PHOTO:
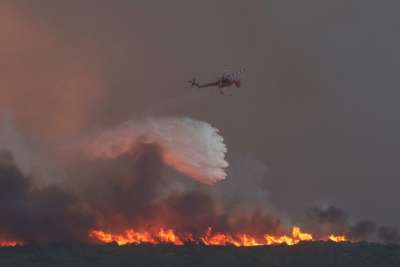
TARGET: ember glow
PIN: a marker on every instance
(209, 238)
(337, 238)
(9, 243)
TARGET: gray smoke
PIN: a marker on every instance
(361, 230)
(127, 182)
(38, 215)
(332, 219)
(389, 235)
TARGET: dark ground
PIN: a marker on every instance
(306, 254)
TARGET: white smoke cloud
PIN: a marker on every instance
(192, 147)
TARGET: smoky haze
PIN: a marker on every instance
(318, 102)
(134, 189)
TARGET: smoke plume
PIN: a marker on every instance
(389, 235)
(334, 219)
(128, 185)
(37, 215)
(129, 181)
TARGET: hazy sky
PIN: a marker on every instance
(318, 104)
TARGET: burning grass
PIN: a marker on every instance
(209, 238)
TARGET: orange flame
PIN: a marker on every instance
(168, 236)
(337, 238)
(297, 236)
(133, 237)
(210, 238)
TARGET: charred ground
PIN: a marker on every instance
(305, 254)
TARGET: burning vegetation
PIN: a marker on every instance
(134, 196)
(209, 238)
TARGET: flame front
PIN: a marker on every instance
(209, 238)
(337, 238)
(134, 237)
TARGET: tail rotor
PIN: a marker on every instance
(193, 83)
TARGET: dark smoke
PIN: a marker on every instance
(333, 219)
(328, 220)
(137, 190)
(330, 215)
(361, 230)
(37, 215)
(195, 210)
(124, 191)
(389, 235)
